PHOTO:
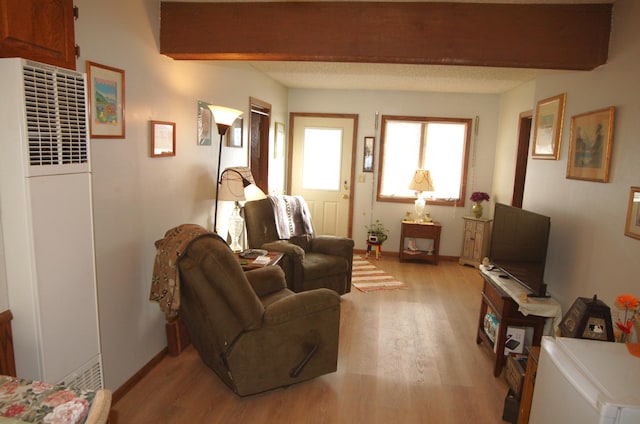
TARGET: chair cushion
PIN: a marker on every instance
(320, 265)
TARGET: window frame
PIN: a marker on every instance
(460, 202)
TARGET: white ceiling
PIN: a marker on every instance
(438, 78)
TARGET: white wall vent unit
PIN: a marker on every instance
(47, 221)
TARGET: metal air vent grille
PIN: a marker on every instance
(56, 116)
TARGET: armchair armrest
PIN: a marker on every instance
(285, 247)
(332, 245)
(299, 305)
(266, 280)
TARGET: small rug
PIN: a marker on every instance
(367, 277)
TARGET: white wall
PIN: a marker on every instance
(366, 104)
(588, 251)
(138, 198)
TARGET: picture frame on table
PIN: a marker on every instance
(547, 131)
(590, 145)
(205, 119)
(632, 229)
(106, 86)
(163, 139)
(234, 133)
(368, 154)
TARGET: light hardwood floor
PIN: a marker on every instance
(405, 356)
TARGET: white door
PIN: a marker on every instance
(321, 169)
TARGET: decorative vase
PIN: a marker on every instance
(477, 209)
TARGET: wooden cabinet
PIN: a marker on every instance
(506, 310)
(529, 383)
(475, 242)
(40, 30)
(415, 241)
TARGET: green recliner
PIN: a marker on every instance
(248, 327)
(310, 261)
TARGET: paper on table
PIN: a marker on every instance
(262, 260)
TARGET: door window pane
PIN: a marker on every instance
(322, 157)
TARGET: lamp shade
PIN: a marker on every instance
(421, 181)
(237, 184)
(224, 115)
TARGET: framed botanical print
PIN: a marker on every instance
(204, 124)
(163, 139)
(547, 131)
(106, 101)
(234, 134)
(369, 148)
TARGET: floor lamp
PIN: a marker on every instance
(224, 118)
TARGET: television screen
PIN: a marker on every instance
(519, 245)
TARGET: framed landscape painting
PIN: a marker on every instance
(548, 127)
(590, 145)
(106, 101)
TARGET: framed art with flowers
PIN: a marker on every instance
(632, 228)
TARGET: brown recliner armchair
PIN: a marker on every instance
(310, 261)
(248, 327)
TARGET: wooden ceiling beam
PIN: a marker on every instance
(548, 36)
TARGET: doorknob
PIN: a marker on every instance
(345, 196)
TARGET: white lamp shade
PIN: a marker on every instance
(232, 185)
(224, 115)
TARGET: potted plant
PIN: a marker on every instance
(376, 232)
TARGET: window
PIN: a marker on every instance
(440, 145)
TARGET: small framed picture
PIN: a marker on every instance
(106, 101)
(163, 139)
(548, 127)
(234, 134)
(369, 149)
(633, 214)
(204, 124)
(590, 146)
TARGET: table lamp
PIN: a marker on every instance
(421, 183)
(236, 184)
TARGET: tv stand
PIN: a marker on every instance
(505, 308)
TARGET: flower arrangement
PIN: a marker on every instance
(479, 196)
(629, 304)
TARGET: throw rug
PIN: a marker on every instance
(367, 277)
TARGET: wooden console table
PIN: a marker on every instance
(420, 231)
(506, 310)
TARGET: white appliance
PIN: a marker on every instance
(586, 381)
(47, 222)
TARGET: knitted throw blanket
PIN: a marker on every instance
(292, 216)
(165, 283)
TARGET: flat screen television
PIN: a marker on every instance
(518, 246)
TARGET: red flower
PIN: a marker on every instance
(625, 328)
(14, 410)
(627, 301)
(479, 196)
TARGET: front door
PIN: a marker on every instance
(322, 168)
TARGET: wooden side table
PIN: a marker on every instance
(420, 231)
(529, 384)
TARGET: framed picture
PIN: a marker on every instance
(633, 214)
(106, 101)
(163, 139)
(204, 124)
(590, 146)
(278, 141)
(369, 148)
(548, 127)
(234, 134)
